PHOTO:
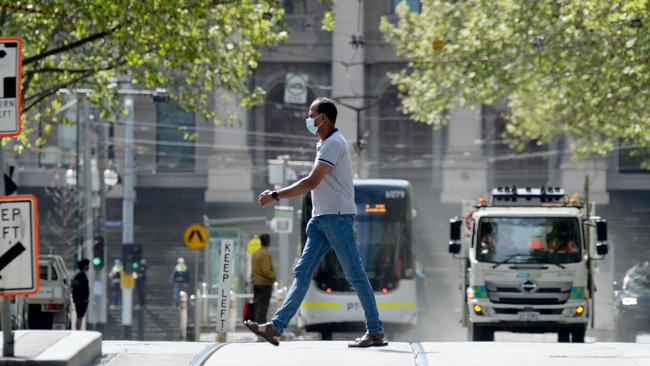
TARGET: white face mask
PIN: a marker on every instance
(311, 125)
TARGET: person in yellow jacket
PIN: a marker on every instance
(263, 278)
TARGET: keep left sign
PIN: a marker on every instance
(19, 272)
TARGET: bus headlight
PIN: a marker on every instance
(629, 301)
(478, 309)
(580, 310)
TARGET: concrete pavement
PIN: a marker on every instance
(126, 353)
(54, 348)
(86, 348)
(322, 353)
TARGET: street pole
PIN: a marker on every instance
(360, 144)
(127, 206)
(88, 221)
(5, 322)
(284, 237)
(101, 279)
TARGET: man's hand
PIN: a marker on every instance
(265, 198)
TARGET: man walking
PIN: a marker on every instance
(80, 292)
(181, 279)
(116, 290)
(141, 284)
(263, 279)
(331, 226)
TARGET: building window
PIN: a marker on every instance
(629, 161)
(414, 5)
(404, 146)
(294, 6)
(174, 151)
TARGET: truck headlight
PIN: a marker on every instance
(470, 294)
(629, 301)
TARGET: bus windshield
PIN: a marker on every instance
(384, 242)
(528, 240)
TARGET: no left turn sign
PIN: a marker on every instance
(19, 273)
(11, 49)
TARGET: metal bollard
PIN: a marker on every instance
(183, 317)
(198, 321)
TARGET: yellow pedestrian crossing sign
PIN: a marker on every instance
(195, 236)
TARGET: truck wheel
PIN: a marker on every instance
(624, 332)
(563, 336)
(578, 334)
(326, 335)
(39, 319)
(480, 333)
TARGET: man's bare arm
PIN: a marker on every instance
(300, 187)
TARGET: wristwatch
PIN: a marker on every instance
(275, 195)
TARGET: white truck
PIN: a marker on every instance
(527, 263)
(50, 308)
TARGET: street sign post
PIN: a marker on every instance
(225, 277)
(196, 237)
(11, 66)
(19, 245)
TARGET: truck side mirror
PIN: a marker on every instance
(454, 235)
(454, 229)
(601, 237)
(601, 230)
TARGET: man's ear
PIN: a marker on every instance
(325, 118)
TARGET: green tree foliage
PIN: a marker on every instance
(189, 47)
(578, 68)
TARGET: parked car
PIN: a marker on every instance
(632, 303)
(50, 307)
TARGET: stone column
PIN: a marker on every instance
(230, 167)
(464, 168)
(348, 80)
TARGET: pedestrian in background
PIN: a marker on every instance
(263, 277)
(181, 279)
(80, 291)
(141, 283)
(330, 227)
(116, 291)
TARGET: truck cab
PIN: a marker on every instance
(527, 263)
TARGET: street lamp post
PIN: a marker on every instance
(361, 142)
(127, 206)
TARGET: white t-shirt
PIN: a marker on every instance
(335, 193)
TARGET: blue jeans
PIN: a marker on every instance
(325, 232)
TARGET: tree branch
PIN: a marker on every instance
(70, 46)
(72, 71)
(26, 83)
(46, 93)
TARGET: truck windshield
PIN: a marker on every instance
(528, 240)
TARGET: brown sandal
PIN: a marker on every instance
(270, 334)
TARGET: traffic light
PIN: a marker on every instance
(131, 256)
(98, 252)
